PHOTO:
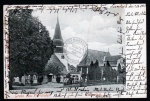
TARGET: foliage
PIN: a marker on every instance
(30, 44)
(109, 73)
(94, 71)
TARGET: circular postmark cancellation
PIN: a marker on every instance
(75, 50)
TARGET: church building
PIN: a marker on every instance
(57, 65)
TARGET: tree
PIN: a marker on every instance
(97, 70)
(91, 71)
(30, 44)
(108, 72)
(114, 74)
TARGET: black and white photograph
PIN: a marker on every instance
(67, 49)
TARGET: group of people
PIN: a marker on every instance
(82, 79)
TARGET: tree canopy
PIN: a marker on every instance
(30, 45)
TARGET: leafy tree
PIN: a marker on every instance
(97, 71)
(94, 72)
(114, 74)
(91, 71)
(108, 71)
(30, 44)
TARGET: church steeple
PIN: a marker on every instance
(57, 39)
(57, 34)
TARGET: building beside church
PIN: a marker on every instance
(99, 65)
(91, 64)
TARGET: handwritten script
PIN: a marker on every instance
(135, 53)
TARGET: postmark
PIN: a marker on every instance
(75, 49)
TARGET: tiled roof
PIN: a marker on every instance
(93, 55)
(112, 60)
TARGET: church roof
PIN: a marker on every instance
(71, 68)
(53, 64)
(57, 34)
(62, 60)
(57, 39)
(112, 60)
(93, 55)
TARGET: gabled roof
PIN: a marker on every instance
(93, 55)
(112, 60)
(62, 60)
(53, 63)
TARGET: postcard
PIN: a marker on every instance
(74, 51)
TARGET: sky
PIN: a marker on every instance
(99, 31)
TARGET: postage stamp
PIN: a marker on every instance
(74, 51)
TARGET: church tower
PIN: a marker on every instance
(57, 39)
(58, 43)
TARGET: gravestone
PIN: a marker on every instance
(16, 80)
(34, 79)
(23, 80)
(54, 78)
(28, 80)
(45, 79)
(61, 78)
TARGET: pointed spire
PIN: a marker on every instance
(57, 18)
(57, 34)
(57, 39)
